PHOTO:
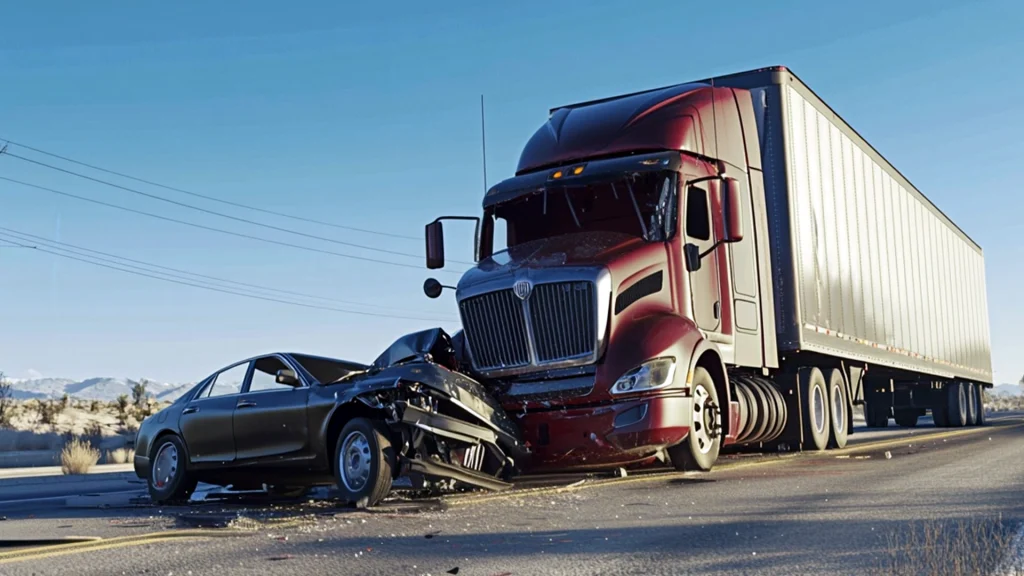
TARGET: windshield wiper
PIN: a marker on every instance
(636, 209)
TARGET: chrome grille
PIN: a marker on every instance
(496, 329)
(562, 325)
(563, 320)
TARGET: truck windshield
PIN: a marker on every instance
(640, 204)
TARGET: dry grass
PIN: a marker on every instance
(1004, 403)
(965, 547)
(120, 456)
(78, 456)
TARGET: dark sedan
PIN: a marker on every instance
(290, 421)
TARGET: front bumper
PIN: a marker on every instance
(623, 432)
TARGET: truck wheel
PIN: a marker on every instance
(956, 404)
(906, 418)
(876, 414)
(972, 404)
(699, 450)
(364, 462)
(837, 407)
(814, 397)
(980, 391)
(169, 479)
(940, 415)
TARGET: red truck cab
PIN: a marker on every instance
(615, 291)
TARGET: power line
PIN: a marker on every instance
(213, 229)
(64, 246)
(146, 273)
(208, 211)
(207, 197)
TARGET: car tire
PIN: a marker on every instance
(169, 479)
(837, 408)
(364, 462)
(906, 417)
(699, 450)
(814, 398)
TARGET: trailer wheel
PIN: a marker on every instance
(956, 404)
(906, 418)
(699, 450)
(980, 391)
(972, 404)
(364, 462)
(837, 407)
(941, 415)
(814, 397)
(876, 414)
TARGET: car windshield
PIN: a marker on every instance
(327, 370)
(641, 205)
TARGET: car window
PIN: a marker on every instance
(264, 375)
(227, 382)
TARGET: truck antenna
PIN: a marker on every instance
(714, 126)
(483, 140)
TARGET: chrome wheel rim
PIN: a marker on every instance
(818, 409)
(838, 413)
(355, 463)
(165, 465)
(705, 419)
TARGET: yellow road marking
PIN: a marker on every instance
(40, 552)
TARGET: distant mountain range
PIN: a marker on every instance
(105, 389)
(1007, 390)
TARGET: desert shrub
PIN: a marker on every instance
(6, 402)
(121, 456)
(49, 410)
(122, 408)
(130, 424)
(78, 456)
(95, 406)
(93, 433)
(139, 393)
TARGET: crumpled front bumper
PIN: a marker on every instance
(619, 433)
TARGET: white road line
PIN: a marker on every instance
(64, 497)
(1013, 564)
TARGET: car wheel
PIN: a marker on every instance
(364, 462)
(837, 408)
(699, 450)
(169, 479)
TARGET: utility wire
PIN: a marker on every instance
(136, 271)
(115, 259)
(213, 229)
(207, 197)
(208, 211)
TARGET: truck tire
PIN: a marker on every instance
(940, 415)
(956, 404)
(814, 399)
(837, 407)
(906, 417)
(364, 462)
(699, 450)
(876, 414)
(980, 391)
(972, 404)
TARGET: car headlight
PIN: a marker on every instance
(650, 375)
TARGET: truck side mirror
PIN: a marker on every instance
(435, 245)
(691, 254)
(733, 218)
(432, 288)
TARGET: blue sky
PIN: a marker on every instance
(369, 116)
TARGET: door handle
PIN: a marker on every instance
(190, 410)
(245, 404)
(718, 310)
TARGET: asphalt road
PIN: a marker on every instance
(833, 512)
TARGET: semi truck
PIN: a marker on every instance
(717, 263)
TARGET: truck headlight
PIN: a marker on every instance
(650, 375)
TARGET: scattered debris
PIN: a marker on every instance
(430, 535)
(621, 472)
(454, 570)
(281, 557)
(843, 457)
(888, 455)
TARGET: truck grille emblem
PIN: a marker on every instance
(522, 289)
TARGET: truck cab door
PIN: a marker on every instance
(705, 293)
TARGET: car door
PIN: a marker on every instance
(270, 418)
(704, 285)
(206, 422)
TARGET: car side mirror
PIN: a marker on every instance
(691, 254)
(288, 377)
(733, 218)
(435, 245)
